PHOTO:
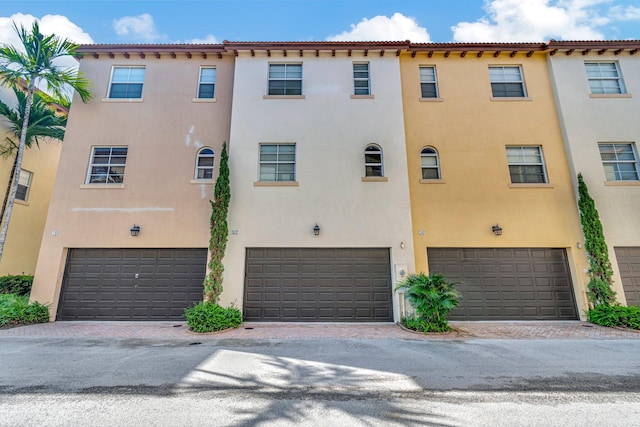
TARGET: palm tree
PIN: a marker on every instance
(44, 125)
(36, 66)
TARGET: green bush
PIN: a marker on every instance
(210, 317)
(615, 315)
(19, 285)
(16, 310)
(432, 297)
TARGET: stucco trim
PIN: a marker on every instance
(122, 100)
(375, 179)
(431, 99)
(275, 184)
(531, 186)
(21, 202)
(622, 183)
(362, 96)
(283, 97)
(515, 98)
(204, 100)
(610, 95)
(432, 181)
(202, 181)
(102, 186)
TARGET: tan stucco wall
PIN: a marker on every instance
(163, 132)
(470, 130)
(28, 218)
(588, 121)
(331, 131)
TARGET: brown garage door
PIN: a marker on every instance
(508, 284)
(629, 266)
(131, 284)
(318, 285)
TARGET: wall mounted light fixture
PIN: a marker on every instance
(135, 230)
(316, 230)
(497, 230)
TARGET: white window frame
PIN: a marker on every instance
(25, 178)
(202, 83)
(128, 80)
(369, 166)
(539, 164)
(285, 78)
(500, 77)
(109, 174)
(205, 153)
(277, 162)
(429, 152)
(597, 82)
(424, 81)
(615, 163)
(360, 76)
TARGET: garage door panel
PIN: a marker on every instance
(324, 284)
(100, 284)
(629, 266)
(507, 283)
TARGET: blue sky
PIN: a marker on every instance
(211, 21)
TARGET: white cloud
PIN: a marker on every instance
(49, 24)
(209, 39)
(628, 13)
(534, 20)
(383, 28)
(139, 27)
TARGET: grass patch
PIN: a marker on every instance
(615, 315)
(210, 317)
(16, 310)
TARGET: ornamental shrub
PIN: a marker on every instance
(18, 285)
(210, 317)
(615, 315)
(16, 310)
(432, 297)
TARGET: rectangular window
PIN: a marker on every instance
(285, 79)
(620, 162)
(507, 82)
(126, 82)
(604, 78)
(428, 82)
(361, 82)
(526, 165)
(24, 184)
(107, 165)
(277, 162)
(207, 82)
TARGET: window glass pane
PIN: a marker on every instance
(207, 75)
(430, 173)
(373, 170)
(293, 71)
(205, 91)
(293, 87)
(428, 90)
(205, 161)
(427, 74)
(287, 148)
(373, 158)
(205, 174)
(267, 172)
(429, 161)
(276, 71)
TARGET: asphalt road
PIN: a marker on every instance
(318, 382)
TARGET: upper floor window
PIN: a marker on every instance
(24, 184)
(428, 82)
(620, 161)
(126, 82)
(526, 165)
(204, 164)
(430, 164)
(507, 82)
(207, 82)
(361, 79)
(107, 165)
(277, 162)
(285, 79)
(604, 78)
(373, 161)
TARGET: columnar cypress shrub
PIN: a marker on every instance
(219, 231)
(600, 272)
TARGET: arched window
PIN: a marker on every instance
(204, 164)
(373, 161)
(430, 163)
